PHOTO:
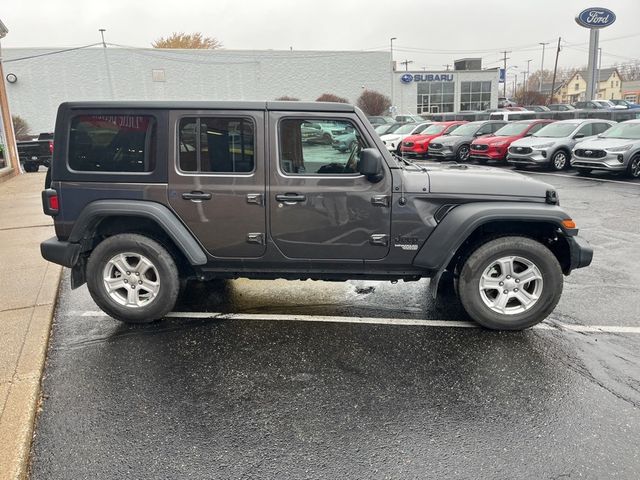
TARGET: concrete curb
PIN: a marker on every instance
(28, 295)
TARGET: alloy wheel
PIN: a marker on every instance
(559, 160)
(131, 279)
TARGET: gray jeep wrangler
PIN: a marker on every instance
(146, 195)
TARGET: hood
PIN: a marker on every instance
(605, 143)
(390, 137)
(492, 139)
(453, 139)
(421, 138)
(474, 180)
(532, 141)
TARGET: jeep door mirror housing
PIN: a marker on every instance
(370, 164)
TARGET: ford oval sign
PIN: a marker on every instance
(596, 17)
(406, 78)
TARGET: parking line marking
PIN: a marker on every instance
(557, 326)
(577, 177)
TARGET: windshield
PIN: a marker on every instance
(382, 128)
(468, 129)
(512, 129)
(390, 128)
(408, 128)
(623, 130)
(433, 129)
(556, 130)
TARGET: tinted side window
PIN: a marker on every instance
(496, 126)
(216, 145)
(599, 128)
(535, 128)
(112, 143)
(586, 130)
(487, 128)
(319, 147)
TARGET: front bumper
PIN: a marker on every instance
(486, 155)
(62, 253)
(581, 252)
(443, 153)
(534, 158)
(610, 162)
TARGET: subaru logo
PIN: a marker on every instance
(406, 78)
(596, 17)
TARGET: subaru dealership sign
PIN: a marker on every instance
(596, 17)
(426, 77)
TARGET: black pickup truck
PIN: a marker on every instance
(34, 153)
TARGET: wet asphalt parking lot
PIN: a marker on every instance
(295, 386)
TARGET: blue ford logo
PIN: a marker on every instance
(406, 78)
(596, 17)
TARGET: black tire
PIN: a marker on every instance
(483, 257)
(583, 171)
(463, 152)
(167, 273)
(560, 160)
(633, 169)
(31, 167)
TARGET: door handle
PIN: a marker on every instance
(290, 197)
(196, 196)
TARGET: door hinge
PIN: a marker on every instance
(254, 198)
(379, 239)
(257, 238)
(380, 200)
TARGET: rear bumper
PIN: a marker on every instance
(581, 252)
(62, 253)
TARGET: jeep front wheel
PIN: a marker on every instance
(510, 283)
(133, 278)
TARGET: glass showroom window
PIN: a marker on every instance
(475, 95)
(435, 97)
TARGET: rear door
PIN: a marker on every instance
(217, 179)
(320, 207)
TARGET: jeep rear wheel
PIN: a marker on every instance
(510, 283)
(133, 278)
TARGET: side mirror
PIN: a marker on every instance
(578, 135)
(370, 164)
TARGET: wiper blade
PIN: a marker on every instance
(406, 161)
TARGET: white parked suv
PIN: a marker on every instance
(393, 141)
(617, 150)
(551, 146)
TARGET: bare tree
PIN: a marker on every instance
(530, 98)
(629, 71)
(373, 103)
(330, 97)
(286, 98)
(20, 127)
(187, 40)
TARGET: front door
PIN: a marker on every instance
(217, 183)
(320, 207)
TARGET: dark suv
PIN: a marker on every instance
(146, 195)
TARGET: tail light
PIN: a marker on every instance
(51, 147)
(50, 202)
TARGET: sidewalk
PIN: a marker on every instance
(28, 288)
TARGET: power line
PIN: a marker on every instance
(56, 52)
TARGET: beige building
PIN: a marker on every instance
(609, 86)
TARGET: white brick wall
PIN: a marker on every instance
(127, 74)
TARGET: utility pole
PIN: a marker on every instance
(504, 85)
(555, 70)
(446, 65)
(406, 64)
(102, 30)
(597, 80)
(542, 64)
(526, 76)
(392, 79)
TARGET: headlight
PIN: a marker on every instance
(543, 145)
(622, 148)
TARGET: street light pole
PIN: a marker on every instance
(526, 76)
(542, 64)
(392, 79)
(102, 30)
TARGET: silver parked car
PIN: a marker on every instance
(617, 150)
(456, 145)
(551, 145)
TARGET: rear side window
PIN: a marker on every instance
(216, 145)
(112, 143)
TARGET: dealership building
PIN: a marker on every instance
(38, 80)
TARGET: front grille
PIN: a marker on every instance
(479, 147)
(586, 153)
(520, 150)
(408, 144)
(435, 146)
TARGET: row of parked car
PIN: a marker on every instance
(584, 144)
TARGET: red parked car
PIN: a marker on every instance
(418, 145)
(494, 147)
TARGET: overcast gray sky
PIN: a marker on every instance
(428, 32)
